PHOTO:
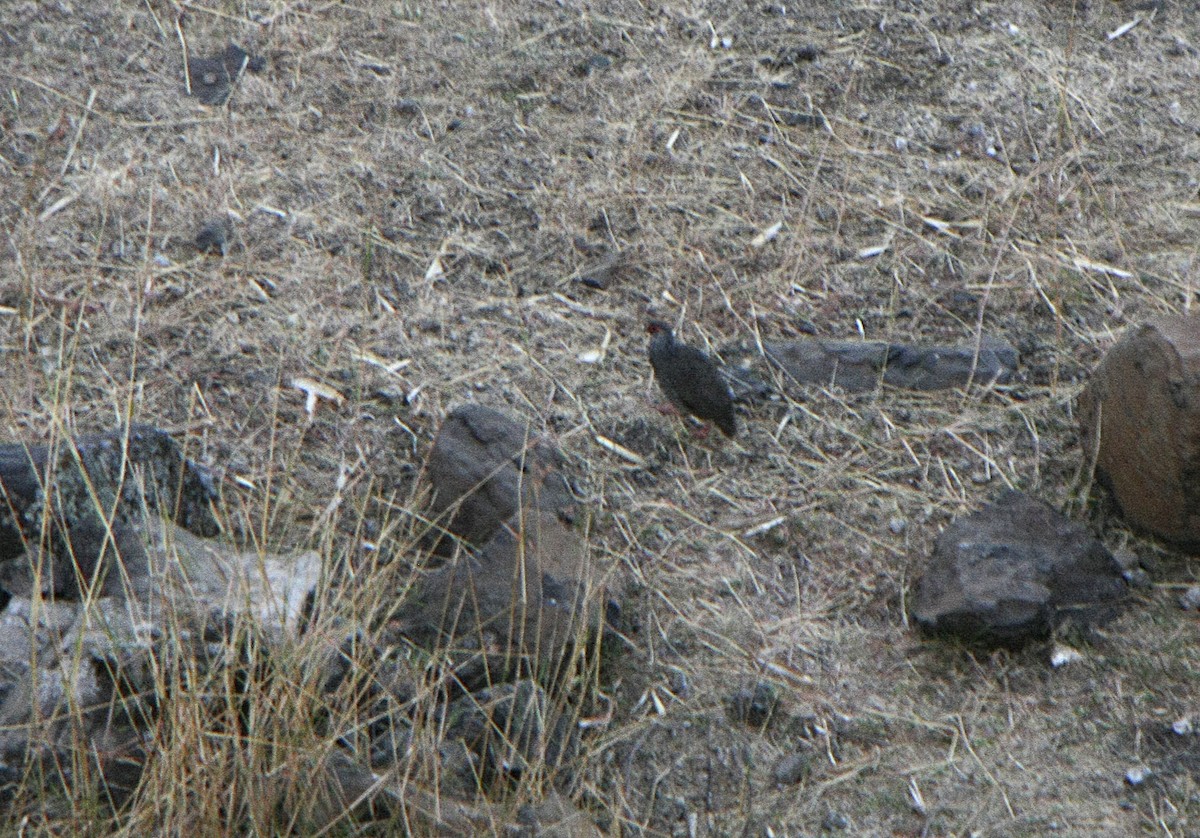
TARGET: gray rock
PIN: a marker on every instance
(754, 705)
(1013, 572)
(792, 769)
(58, 499)
(860, 366)
(1140, 417)
(82, 680)
(484, 466)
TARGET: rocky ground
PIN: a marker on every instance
(402, 207)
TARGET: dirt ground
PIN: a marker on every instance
(424, 197)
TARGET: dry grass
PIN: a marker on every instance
(1029, 178)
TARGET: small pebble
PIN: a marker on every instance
(214, 236)
(835, 821)
(791, 769)
(897, 525)
(595, 64)
(679, 684)
(1137, 578)
(1137, 775)
(1182, 727)
(754, 706)
(1189, 600)
(1063, 655)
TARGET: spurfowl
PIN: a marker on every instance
(690, 379)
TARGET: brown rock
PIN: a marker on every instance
(1140, 417)
(484, 466)
(530, 593)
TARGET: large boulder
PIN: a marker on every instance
(531, 593)
(1013, 572)
(484, 467)
(68, 508)
(1140, 417)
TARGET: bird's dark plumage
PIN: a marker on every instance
(690, 379)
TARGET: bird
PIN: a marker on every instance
(689, 379)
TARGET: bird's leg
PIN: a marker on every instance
(703, 431)
(667, 409)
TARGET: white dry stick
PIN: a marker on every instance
(769, 234)
(1099, 267)
(620, 450)
(315, 390)
(369, 357)
(764, 527)
(1123, 28)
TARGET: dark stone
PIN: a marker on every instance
(596, 63)
(600, 275)
(483, 467)
(755, 705)
(530, 593)
(1140, 418)
(211, 79)
(74, 486)
(792, 769)
(1013, 572)
(859, 366)
(214, 236)
(407, 107)
(792, 55)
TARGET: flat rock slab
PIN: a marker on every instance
(1014, 571)
(484, 467)
(861, 366)
(1140, 417)
(199, 586)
